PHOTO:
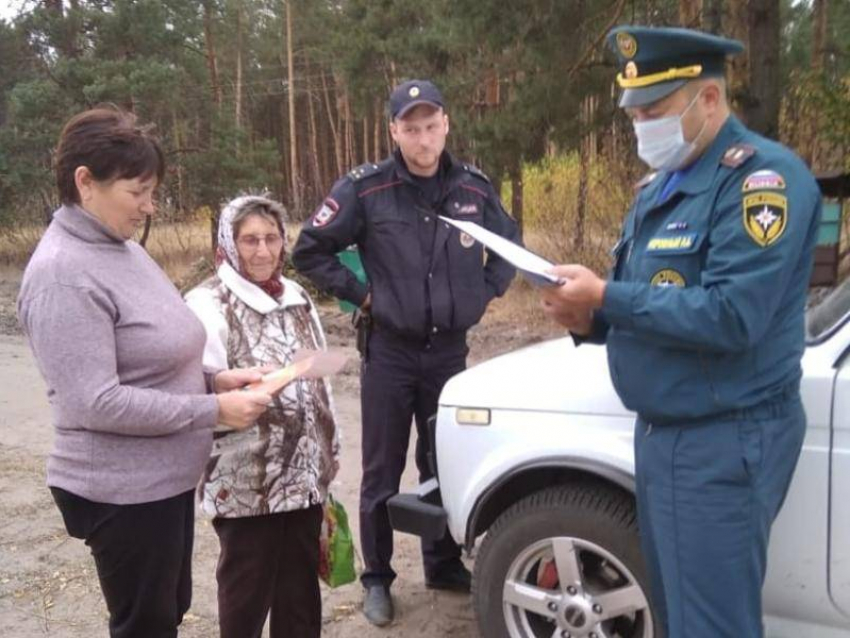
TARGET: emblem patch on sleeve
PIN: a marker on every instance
(765, 217)
(763, 180)
(326, 212)
(668, 277)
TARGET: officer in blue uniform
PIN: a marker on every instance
(703, 316)
(428, 284)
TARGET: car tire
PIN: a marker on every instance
(588, 531)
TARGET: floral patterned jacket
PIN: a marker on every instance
(285, 461)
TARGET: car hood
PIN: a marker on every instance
(553, 376)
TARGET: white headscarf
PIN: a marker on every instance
(226, 250)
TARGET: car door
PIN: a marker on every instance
(839, 527)
(796, 585)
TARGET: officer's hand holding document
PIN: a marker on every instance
(574, 302)
(570, 293)
(533, 267)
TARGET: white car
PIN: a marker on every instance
(534, 453)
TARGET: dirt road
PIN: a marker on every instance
(48, 586)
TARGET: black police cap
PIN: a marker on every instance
(411, 94)
(655, 61)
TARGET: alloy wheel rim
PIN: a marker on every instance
(566, 587)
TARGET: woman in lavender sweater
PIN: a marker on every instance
(121, 354)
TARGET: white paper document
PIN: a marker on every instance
(532, 266)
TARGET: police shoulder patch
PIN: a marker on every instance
(737, 154)
(765, 216)
(362, 171)
(325, 213)
(474, 170)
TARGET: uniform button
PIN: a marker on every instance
(430, 275)
(434, 329)
(427, 219)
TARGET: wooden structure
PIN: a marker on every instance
(834, 186)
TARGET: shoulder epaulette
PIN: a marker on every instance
(737, 154)
(646, 179)
(474, 170)
(363, 171)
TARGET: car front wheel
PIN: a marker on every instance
(564, 562)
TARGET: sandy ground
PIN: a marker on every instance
(48, 586)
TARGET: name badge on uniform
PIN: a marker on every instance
(672, 243)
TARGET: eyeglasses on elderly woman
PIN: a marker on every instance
(272, 241)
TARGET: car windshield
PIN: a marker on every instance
(828, 313)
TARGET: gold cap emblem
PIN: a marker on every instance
(414, 91)
(627, 44)
(631, 71)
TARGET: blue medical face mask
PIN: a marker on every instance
(661, 142)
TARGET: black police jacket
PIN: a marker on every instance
(381, 209)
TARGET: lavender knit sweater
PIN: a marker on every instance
(121, 356)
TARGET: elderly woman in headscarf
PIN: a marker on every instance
(265, 486)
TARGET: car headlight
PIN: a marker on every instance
(473, 416)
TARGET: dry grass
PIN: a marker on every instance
(17, 244)
(183, 250)
(183, 247)
(174, 245)
(179, 247)
(551, 195)
(520, 306)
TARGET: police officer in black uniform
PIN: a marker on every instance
(427, 285)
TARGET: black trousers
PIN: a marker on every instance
(401, 380)
(143, 554)
(268, 564)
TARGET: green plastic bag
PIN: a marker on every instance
(336, 546)
(350, 258)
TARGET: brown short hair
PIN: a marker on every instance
(110, 143)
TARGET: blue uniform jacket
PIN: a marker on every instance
(704, 309)
(424, 276)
